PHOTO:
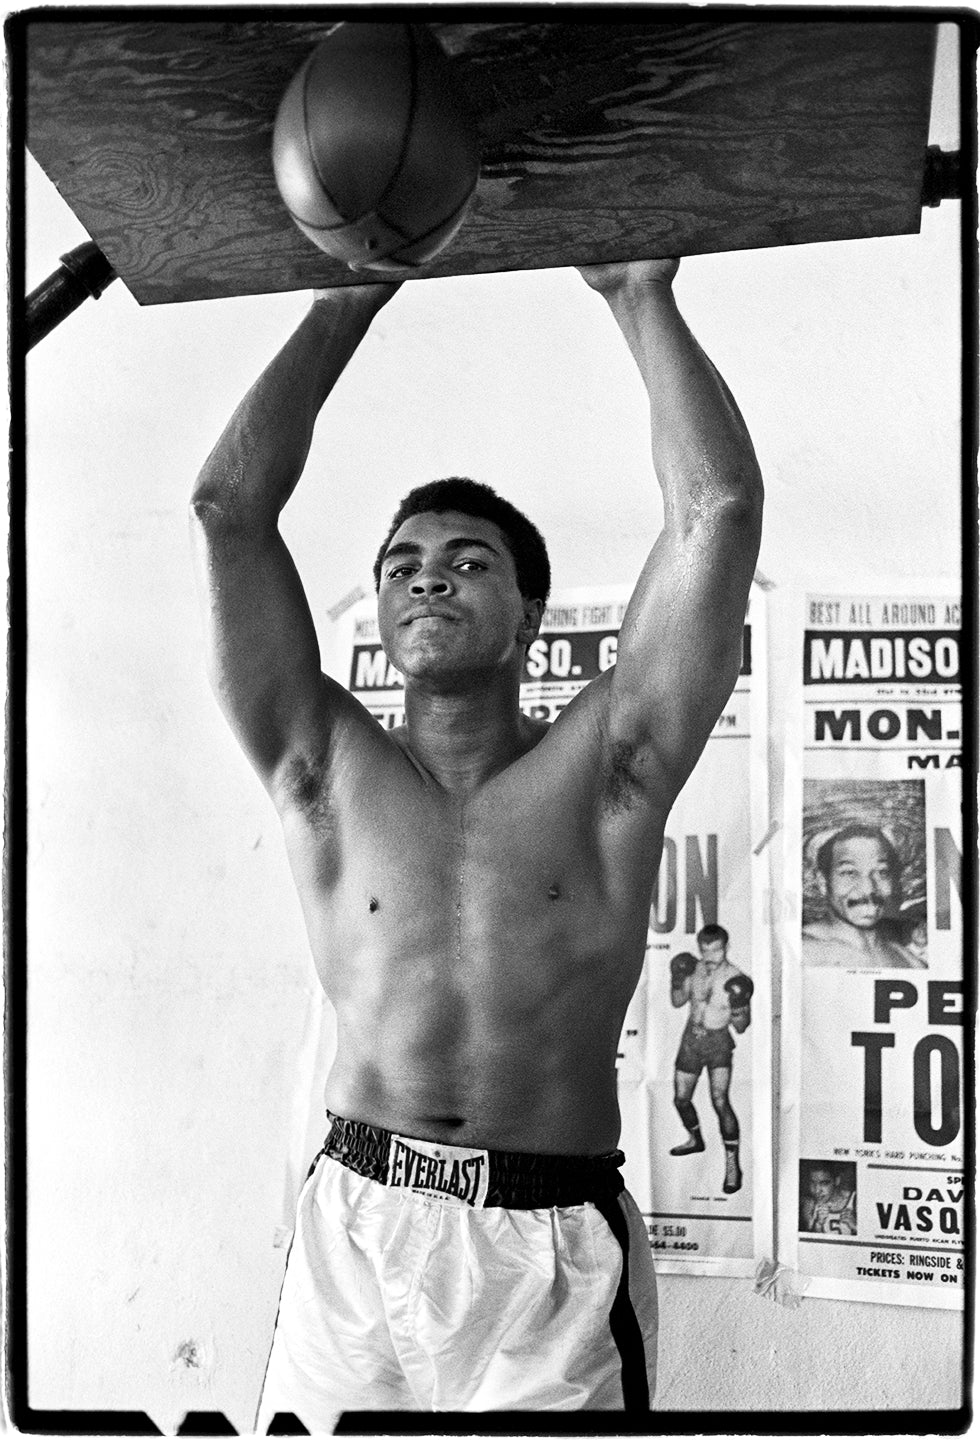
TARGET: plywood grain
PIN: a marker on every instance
(600, 140)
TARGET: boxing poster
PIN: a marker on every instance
(695, 1064)
(708, 1209)
(872, 1145)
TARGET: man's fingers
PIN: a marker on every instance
(611, 275)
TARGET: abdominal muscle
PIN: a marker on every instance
(507, 1047)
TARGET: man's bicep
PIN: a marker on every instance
(680, 644)
(262, 651)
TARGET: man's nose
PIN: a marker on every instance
(430, 582)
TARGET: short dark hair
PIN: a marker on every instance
(857, 830)
(710, 933)
(472, 497)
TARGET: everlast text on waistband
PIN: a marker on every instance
(448, 1174)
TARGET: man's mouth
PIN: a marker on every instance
(428, 614)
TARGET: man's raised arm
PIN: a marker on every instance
(263, 656)
(681, 639)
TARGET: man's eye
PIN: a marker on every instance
(396, 571)
(470, 564)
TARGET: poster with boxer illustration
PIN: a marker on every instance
(872, 1149)
(694, 1066)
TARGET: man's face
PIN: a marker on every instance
(860, 883)
(448, 602)
(713, 952)
(821, 1185)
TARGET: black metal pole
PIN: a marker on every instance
(943, 177)
(84, 271)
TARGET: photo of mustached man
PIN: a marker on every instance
(864, 883)
(719, 996)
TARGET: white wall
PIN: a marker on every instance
(171, 997)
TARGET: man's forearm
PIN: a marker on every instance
(254, 468)
(701, 447)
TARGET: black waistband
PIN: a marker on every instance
(515, 1179)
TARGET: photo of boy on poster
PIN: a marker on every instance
(828, 1197)
(864, 874)
(719, 996)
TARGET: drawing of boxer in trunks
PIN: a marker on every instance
(719, 996)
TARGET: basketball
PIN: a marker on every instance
(374, 151)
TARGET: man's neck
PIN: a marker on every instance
(464, 738)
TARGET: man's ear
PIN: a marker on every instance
(531, 623)
(822, 885)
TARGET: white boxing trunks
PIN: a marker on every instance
(425, 1276)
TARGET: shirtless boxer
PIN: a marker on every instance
(859, 877)
(476, 887)
(719, 995)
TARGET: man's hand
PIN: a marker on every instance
(622, 273)
(740, 990)
(373, 295)
(681, 966)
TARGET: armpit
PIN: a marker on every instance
(301, 783)
(622, 784)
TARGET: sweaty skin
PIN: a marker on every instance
(479, 938)
(476, 885)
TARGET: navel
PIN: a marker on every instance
(372, 904)
(555, 892)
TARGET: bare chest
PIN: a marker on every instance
(410, 848)
(503, 896)
(710, 999)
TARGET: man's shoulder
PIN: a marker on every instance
(625, 775)
(897, 957)
(566, 742)
(337, 754)
(819, 947)
(818, 932)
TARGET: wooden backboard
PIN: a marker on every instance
(667, 132)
